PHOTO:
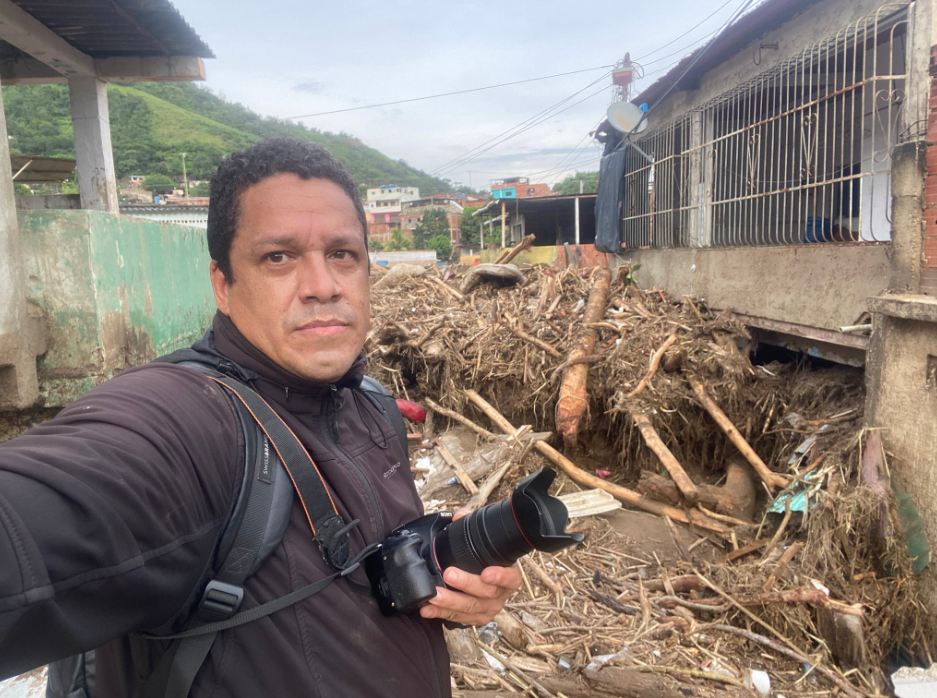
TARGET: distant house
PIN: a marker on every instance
(386, 200)
(136, 180)
(413, 211)
(518, 188)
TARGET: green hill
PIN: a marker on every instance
(152, 123)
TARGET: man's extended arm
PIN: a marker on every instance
(109, 513)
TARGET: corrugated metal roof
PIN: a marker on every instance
(102, 28)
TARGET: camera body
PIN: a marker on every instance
(407, 566)
(404, 572)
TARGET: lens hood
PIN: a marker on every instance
(542, 517)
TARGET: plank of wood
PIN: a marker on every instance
(447, 456)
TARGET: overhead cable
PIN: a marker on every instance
(448, 94)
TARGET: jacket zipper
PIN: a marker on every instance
(374, 507)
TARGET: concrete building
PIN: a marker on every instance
(412, 212)
(385, 201)
(85, 293)
(517, 188)
(791, 176)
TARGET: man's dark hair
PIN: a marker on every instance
(247, 167)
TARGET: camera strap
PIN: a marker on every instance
(326, 523)
(218, 608)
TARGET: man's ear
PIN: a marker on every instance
(219, 285)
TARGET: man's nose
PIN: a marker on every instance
(317, 281)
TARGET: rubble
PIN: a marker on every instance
(770, 551)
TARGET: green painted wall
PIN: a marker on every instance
(115, 292)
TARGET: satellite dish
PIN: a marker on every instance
(624, 116)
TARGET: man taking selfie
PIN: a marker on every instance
(116, 528)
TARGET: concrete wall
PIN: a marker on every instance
(902, 399)
(804, 30)
(822, 286)
(114, 293)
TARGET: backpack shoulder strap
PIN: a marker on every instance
(379, 397)
(275, 464)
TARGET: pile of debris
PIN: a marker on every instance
(794, 571)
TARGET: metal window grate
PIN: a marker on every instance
(799, 154)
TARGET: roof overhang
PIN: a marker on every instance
(45, 41)
(34, 169)
(534, 203)
(748, 28)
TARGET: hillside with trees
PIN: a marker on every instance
(152, 124)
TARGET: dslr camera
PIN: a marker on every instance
(407, 567)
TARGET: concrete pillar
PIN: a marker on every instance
(907, 208)
(97, 182)
(18, 384)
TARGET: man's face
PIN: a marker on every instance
(301, 292)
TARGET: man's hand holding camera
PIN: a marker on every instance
(480, 597)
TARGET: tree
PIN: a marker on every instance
(159, 184)
(200, 189)
(470, 224)
(397, 241)
(570, 185)
(443, 246)
(433, 223)
(374, 245)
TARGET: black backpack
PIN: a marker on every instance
(254, 529)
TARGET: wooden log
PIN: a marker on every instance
(574, 390)
(577, 474)
(735, 499)
(511, 629)
(631, 683)
(452, 414)
(652, 369)
(508, 255)
(771, 479)
(667, 459)
(464, 479)
(446, 287)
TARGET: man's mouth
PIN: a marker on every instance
(320, 328)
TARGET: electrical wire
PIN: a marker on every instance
(695, 26)
(526, 128)
(699, 54)
(522, 124)
(448, 94)
(515, 130)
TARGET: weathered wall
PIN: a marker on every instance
(114, 292)
(902, 399)
(822, 286)
(808, 28)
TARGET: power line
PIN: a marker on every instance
(695, 26)
(702, 52)
(547, 114)
(448, 94)
(461, 159)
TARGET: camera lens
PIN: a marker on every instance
(501, 533)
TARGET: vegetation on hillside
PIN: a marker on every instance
(152, 124)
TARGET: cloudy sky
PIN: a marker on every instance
(288, 58)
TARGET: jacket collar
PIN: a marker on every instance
(225, 341)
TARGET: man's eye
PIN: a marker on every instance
(276, 257)
(343, 254)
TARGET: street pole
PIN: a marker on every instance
(185, 178)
